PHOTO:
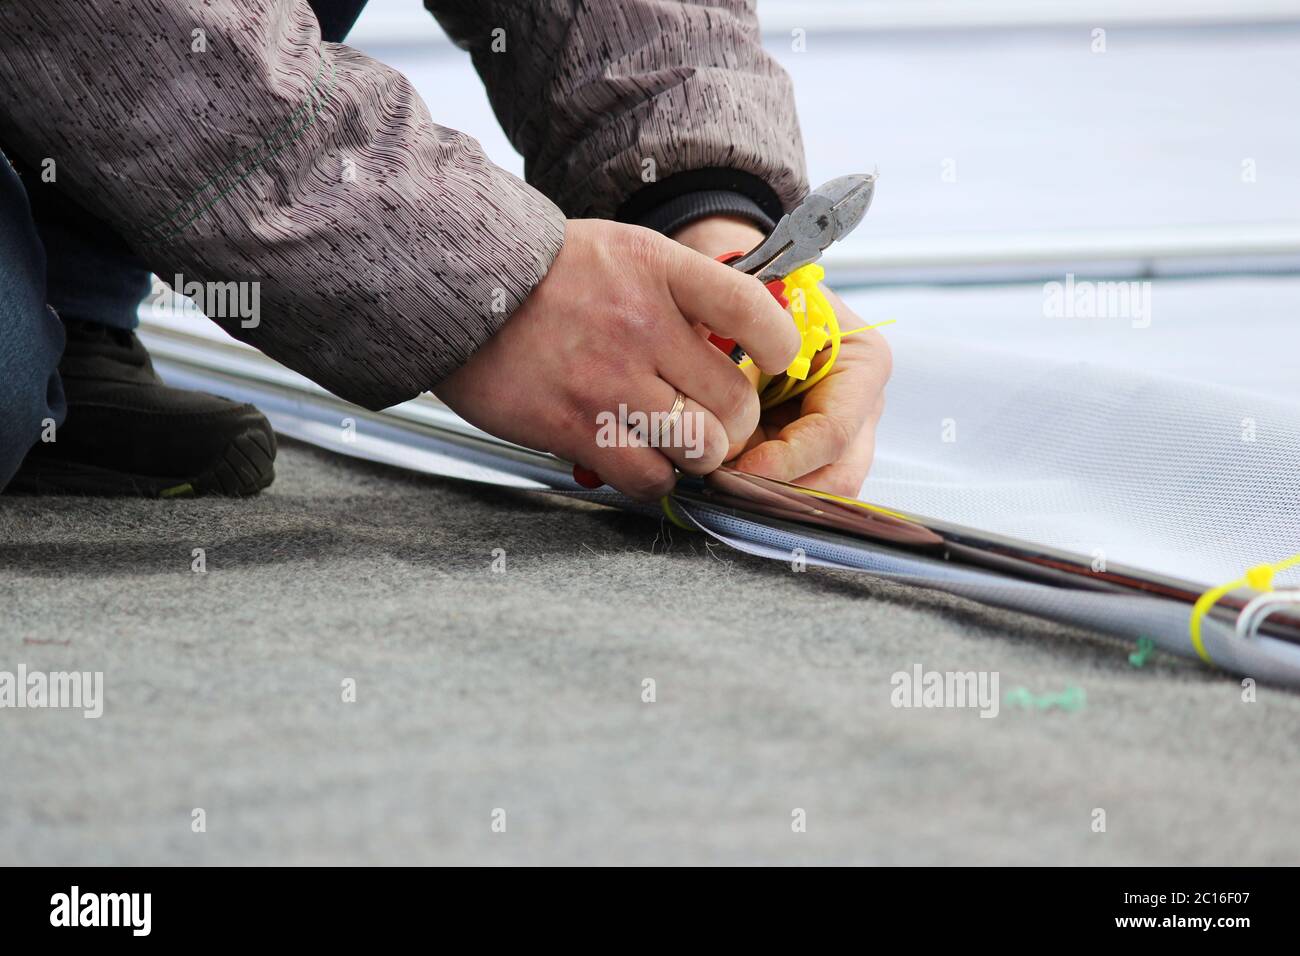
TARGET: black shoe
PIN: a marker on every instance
(127, 433)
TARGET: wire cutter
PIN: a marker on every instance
(827, 214)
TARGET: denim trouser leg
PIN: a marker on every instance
(91, 273)
(31, 336)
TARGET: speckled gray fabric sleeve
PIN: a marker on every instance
(228, 144)
(604, 97)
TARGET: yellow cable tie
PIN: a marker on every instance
(666, 503)
(855, 502)
(1258, 578)
(866, 328)
(818, 326)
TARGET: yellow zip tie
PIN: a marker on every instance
(827, 496)
(815, 319)
(746, 361)
(818, 326)
(666, 502)
(1258, 578)
(798, 388)
(867, 328)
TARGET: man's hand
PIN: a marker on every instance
(618, 321)
(826, 437)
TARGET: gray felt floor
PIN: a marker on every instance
(523, 691)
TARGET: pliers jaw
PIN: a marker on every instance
(828, 213)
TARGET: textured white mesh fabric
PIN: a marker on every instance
(1173, 447)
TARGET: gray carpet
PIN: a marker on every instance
(522, 691)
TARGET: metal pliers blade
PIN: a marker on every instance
(828, 213)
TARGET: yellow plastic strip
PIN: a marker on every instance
(867, 328)
(1258, 578)
(826, 495)
(814, 317)
(833, 326)
(666, 502)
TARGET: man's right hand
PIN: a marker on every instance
(622, 318)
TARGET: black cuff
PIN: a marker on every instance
(679, 200)
(688, 207)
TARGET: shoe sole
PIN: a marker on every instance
(245, 467)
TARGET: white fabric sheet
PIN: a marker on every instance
(1173, 447)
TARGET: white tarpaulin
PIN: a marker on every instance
(1173, 446)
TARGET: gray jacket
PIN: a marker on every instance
(226, 142)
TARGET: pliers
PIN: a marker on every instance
(828, 213)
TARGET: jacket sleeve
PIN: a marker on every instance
(229, 144)
(621, 106)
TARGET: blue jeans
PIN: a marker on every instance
(54, 253)
(31, 335)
